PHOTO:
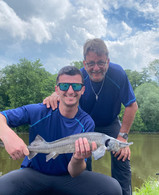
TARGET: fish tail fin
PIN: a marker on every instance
(51, 155)
(31, 155)
(38, 140)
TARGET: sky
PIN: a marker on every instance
(55, 31)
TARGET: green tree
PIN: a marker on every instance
(26, 83)
(138, 124)
(148, 101)
(154, 70)
(78, 65)
(138, 78)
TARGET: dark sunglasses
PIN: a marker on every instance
(65, 86)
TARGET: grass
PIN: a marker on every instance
(150, 187)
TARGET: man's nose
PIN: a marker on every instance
(70, 89)
(96, 67)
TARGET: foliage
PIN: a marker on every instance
(24, 83)
(78, 65)
(154, 70)
(137, 78)
(138, 124)
(148, 101)
(150, 187)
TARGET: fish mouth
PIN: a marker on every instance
(107, 142)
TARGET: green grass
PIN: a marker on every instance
(150, 187)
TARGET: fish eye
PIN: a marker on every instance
(107, 142)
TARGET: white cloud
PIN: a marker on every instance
(55, 30)
(135, 52)
(10, 23)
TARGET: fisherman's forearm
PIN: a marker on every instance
(76, 166)
(128, 118)
(3, 127)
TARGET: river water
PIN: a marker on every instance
(144, 159)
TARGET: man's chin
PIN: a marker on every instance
(96, 78)
(70, 105)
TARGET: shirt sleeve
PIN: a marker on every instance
(126, 92)
(16, 117)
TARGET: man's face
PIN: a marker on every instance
(96, 66)
(69, 97)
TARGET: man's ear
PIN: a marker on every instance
(56, 89)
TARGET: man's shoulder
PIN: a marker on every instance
(116, 67)
(34, 109)
(115, 71)
(38, 106)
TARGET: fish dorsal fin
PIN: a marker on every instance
(37, 141)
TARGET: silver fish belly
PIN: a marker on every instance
(67, 145)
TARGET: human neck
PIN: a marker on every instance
(68, 111)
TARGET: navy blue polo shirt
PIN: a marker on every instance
(116, 90)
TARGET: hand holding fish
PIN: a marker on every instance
(83, 149)
(123, 153)
(14, 145)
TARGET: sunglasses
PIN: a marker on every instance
(65, 86)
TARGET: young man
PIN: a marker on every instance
(106, 88)
(64, 175)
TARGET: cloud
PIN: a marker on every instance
(135, 52)
(10, 23)
(55, 32)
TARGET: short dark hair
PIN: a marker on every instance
(96, 45)
(69, 70)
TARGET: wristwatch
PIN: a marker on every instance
(124, 135)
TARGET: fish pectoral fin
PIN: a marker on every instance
(51, 155)
(99, 153)
(31, 155)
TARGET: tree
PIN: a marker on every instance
(78, 65)
(138, 124)
(24, 83)
(148, 101)
(154, 70)
(137, 78)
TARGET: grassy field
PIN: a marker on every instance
(150, 187)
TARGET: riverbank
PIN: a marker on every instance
(151, 186)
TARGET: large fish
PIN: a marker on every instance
(67, 145)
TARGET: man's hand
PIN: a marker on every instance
(51, 101)
(15, 146)
(83, 149)
(123, 153)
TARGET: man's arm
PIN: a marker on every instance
(128, 118)
(14, 145)
(83, 150)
